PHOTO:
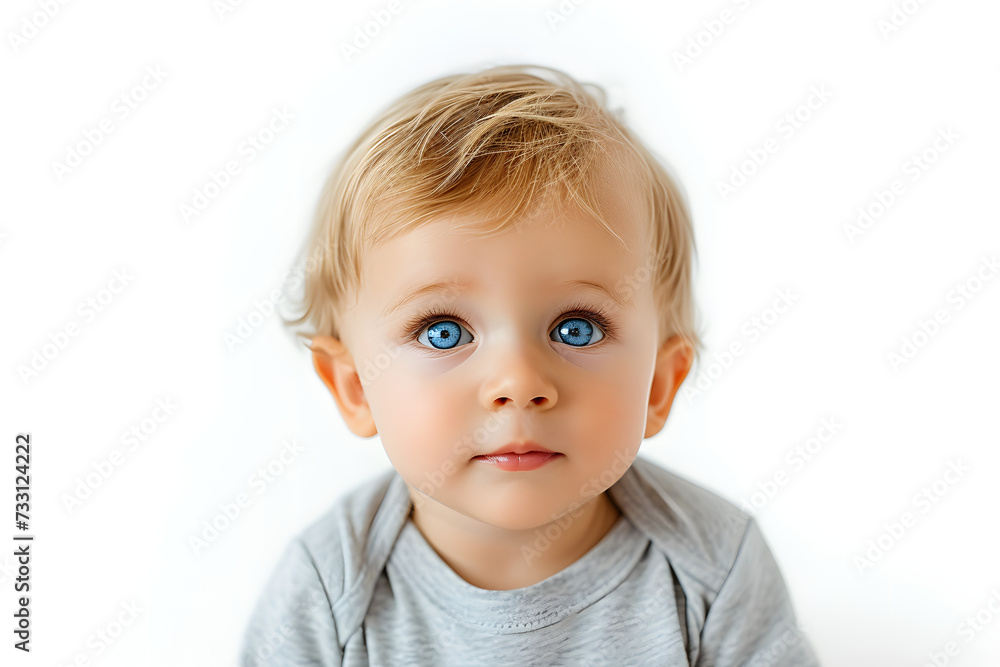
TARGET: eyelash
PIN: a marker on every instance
(598, 316)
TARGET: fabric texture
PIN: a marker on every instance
(684, 577)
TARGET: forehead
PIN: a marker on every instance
(545, 251)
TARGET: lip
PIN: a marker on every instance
(525, 447)
(512, 462)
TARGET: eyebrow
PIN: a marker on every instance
(447, 286)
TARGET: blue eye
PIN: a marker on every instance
(444, 335)
(577, 332)
(442, 331)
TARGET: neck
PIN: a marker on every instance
(497, 559)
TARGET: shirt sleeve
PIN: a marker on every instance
(751, 622)
(293, 621)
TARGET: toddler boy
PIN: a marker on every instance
(503, 296)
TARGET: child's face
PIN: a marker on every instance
(492, 367)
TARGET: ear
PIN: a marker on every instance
(673, 361)
(335, 366)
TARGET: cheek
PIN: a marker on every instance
(616, 406)
(415, 417)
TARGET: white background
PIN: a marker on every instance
(826, 357)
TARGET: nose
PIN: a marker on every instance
(518, 378)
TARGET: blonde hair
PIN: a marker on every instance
(503, 143)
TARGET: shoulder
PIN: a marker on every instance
(309, 606)
(700, 531)
(735, 607)
(336, 543)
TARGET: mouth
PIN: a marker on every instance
(520, 448)
(528, 456)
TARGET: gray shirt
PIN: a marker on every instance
(683, 578)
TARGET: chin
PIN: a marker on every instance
(535, 518)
